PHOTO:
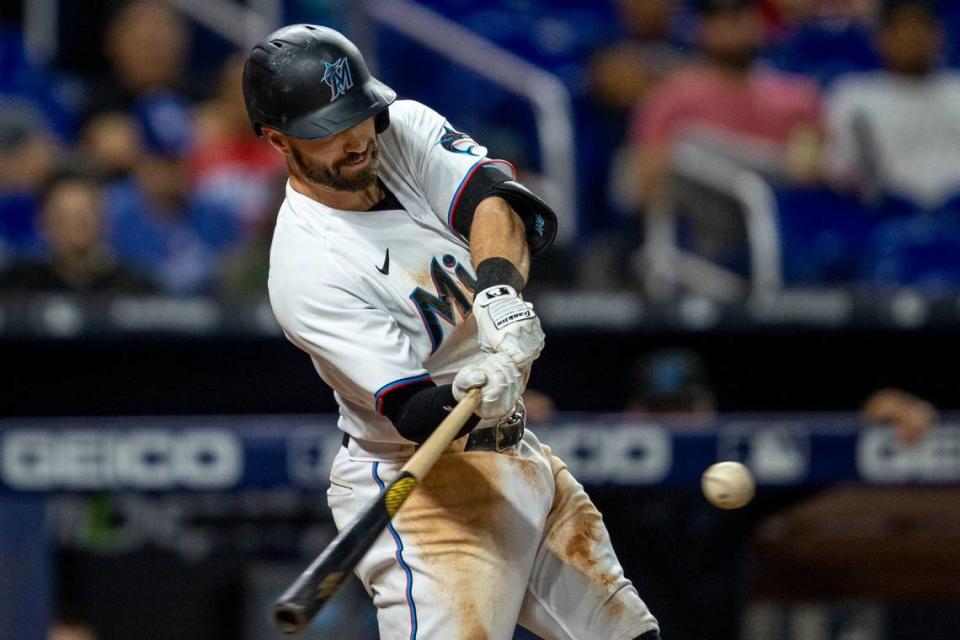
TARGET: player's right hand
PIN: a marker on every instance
(505, 323)
(500, 382)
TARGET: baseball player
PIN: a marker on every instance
(397, 264)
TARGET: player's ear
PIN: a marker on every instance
(276, 140)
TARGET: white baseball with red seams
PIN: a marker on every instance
(728, 485)
(489, 539)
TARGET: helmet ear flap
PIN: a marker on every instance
(382, 120)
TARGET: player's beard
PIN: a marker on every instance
(332, 176)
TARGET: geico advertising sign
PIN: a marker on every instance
(43, 460)
(627, 454)
(881, 457)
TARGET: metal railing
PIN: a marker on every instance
(241, 25)
(665, 265)
(551, 101)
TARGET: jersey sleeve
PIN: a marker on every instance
(444, 160)
(358, 350)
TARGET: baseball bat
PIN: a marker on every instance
(304, 598)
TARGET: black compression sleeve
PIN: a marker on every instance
(417, 409)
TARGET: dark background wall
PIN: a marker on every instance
(751, 371)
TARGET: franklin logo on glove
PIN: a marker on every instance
(507, 324)
(503, 317)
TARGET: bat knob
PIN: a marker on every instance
(289, 617)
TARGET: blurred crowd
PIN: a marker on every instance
(848, 109)
(138, 180)
(146, 184)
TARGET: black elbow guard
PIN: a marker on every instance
(538, 218)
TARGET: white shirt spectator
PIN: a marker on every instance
(900, 133)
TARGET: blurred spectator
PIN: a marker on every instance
(155, 225)
(224, 115)
(894, 141)
(825, 38)
(71, 631)
(911, 416)
(27, 155)
(146, 44)
(793, 12)
(623, 72)
(112, 143)
(78, 258)
(759, 117)
(895, 131)
(49, 92)
(670, 381)
(621, 76)
(230, 167)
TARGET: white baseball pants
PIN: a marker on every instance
(488, 541)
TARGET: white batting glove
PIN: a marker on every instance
(507, 324)
(500, 383)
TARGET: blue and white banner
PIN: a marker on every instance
(231, 453)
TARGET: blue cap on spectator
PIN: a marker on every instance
(166, 124)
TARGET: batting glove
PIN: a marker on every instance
(500, 383)
(507, 324)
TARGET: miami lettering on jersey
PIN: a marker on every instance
(439, 303)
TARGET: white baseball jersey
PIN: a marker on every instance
(373, 321)
(489, 539)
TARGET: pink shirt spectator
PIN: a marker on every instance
(769, 106)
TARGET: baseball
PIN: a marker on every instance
(728, 485)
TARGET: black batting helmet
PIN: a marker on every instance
(311, 82)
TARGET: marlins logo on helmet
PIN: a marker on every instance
(337, 76)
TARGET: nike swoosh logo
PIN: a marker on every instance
(385, 269)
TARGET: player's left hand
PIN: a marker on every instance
(507, 324)
(499, 380)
